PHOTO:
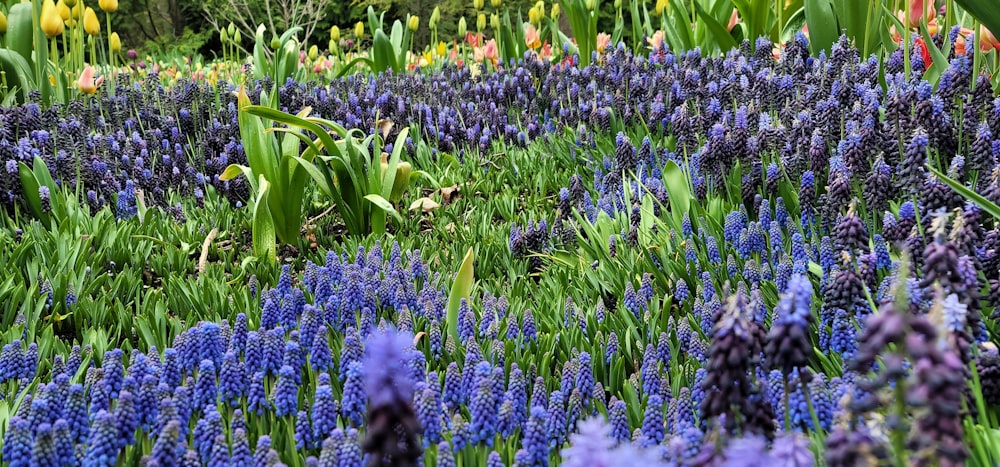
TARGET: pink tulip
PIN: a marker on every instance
(87, 84)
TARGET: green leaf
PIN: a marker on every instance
(725, 39)
(29, 186)
(20, 76)
(383, 53)
(822, 25)
(979, 200)
(460, 289)
(20, 30)
(264, 236)
(678, 190)
(939, 59)
(384, 205)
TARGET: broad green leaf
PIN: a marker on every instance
(725, 39)
(679, 192)
(30, 185)
(822, 25)
(460, 289)
(264, 237)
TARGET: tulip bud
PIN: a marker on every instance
(335, 34)
(478, 4)
(90, 23)
(223, 35)
(591, 4)
(556, 11)
(495, 21)
(435, 18)
(3, 23)
(401, 182)
(51, 22)
(275, 43)
(313, 52)
(413, 23)
(534, 16)
(231, 29)
(481, 22)
(333, 46)
(109, 6)
(116, 43)
(660, 6)
(359, 30)
(237, 37)
(76, 12)
(618, 4)
(462, 27)
(496, 3)
(63, 10)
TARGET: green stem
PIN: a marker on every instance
(111, 55)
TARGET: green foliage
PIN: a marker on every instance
(583, 20)
(460, 290)
(277, 181)
(344, 170)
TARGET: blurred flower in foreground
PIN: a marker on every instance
(393, 434)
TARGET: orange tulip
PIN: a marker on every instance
(734, 19)
(988, 40)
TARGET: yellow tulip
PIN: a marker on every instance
(359, 30)
(660, 6)
(414, 23)
(90, 23)
(534, 16)
(51, 22)
(335, 34)
(3, 23)
(116, 43)
(63, 10)
(442, 48)
(333, 46)
(76, 11)
(462, 28)
(555, 12)
(496, 3)
(495, 21)
(478, 4)
(109, 6)
(481, 22)
(313, 52)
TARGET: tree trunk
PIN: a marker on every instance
(176, 17)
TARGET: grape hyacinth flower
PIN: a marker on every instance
(393, 428)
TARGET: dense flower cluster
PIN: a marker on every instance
(831, 236)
